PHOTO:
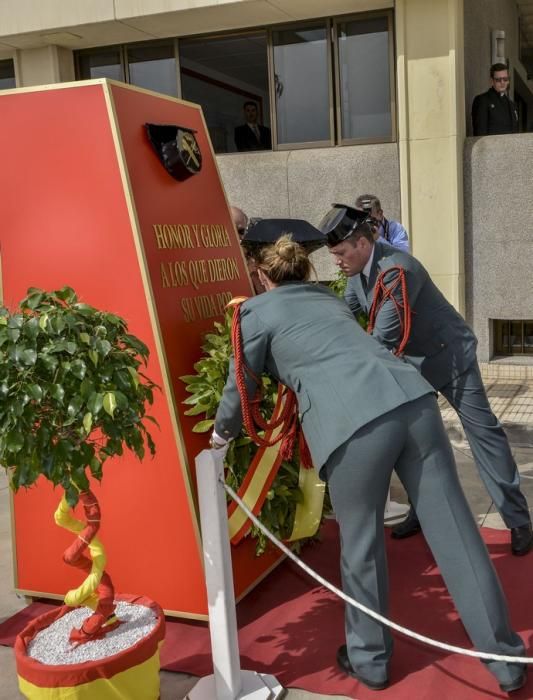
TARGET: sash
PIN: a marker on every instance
(257, 482)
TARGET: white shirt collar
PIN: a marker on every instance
(366, 269)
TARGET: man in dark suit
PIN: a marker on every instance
(252, 136)
(492, 111)
(443, 347)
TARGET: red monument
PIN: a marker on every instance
(135, 219)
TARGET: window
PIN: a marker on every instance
(7, 75)
(223, 74)
(101, 63)
(153, 66)
(305, 84)
(364, 79)
(302, 85)
(525, 48)
(513, 337)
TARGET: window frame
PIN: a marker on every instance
(498, 329)
(122, 48)
(293, 146)
(342, 19)
(333, 70)
(139, 44)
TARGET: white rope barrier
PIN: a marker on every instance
(371, 613)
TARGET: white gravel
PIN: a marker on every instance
(51, 646)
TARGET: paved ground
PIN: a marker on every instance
(511, 395)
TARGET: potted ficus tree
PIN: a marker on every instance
(72, 395)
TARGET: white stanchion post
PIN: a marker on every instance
(228, 682)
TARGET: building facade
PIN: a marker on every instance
(373, 96)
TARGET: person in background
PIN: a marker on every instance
(239, 219)
(252, 136)
(391, 232)
(241, 223)
(442, 346)
(363, 413)
(493, 112)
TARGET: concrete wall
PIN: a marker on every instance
(480, 18)
(498, 182)
(302, 184)
(42, 66)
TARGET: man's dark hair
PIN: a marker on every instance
(497, 67)
(249, 103)
(364, 230)
(367, 202)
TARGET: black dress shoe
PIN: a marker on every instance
(515, 685)
(344, 664)
(521, 540)
(407, 528)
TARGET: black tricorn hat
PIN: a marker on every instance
(266, 231)
(341, 221)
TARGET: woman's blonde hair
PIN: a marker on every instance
(284, 261)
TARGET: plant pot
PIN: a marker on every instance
(132, 672)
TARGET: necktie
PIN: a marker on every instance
(364, 282)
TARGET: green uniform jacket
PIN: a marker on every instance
(441, 345)
(304, 336)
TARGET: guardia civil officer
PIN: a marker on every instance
(442, 346)
(364, 412)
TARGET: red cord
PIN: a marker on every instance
(287, 418)
(382, 293)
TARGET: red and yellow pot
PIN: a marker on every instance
(131, 674)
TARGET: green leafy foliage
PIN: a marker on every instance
(206, 388)
(338, 283)
(72, 393)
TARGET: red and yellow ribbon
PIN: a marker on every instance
(96, 591)
(257, 482)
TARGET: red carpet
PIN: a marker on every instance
(291, 628)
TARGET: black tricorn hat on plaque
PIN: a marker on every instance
(341, 221)
(177, 149)
(261, 232)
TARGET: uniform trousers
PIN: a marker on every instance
(489, 445)
(411, 439)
